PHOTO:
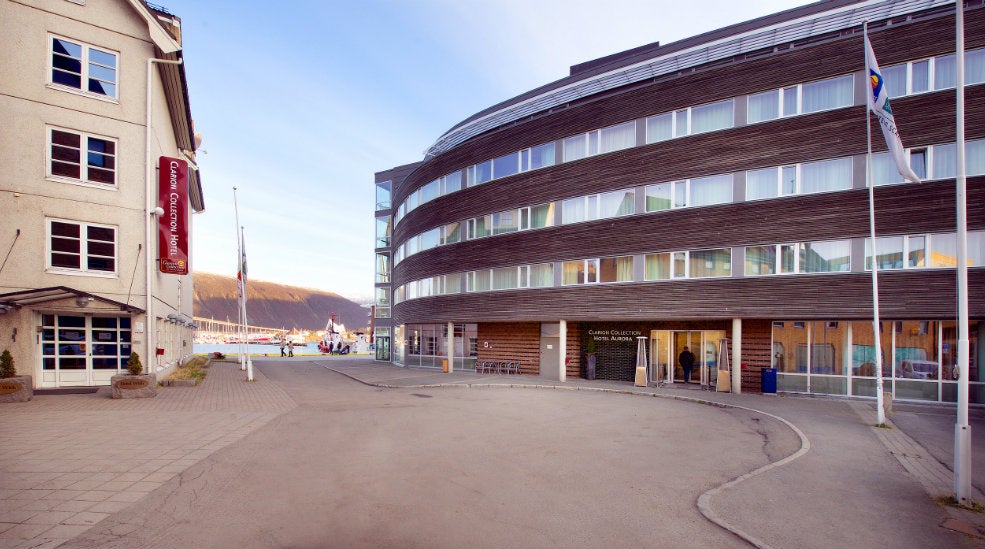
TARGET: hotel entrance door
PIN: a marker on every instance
(667, 347)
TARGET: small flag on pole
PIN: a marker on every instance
(878, 102)
(241, 276)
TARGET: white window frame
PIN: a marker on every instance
(83, 269)
(84, 76)
(83, 159)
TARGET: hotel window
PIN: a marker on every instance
(506, 278)
(383, 195)
(428, 239)
(450, 234)
(582, 271)
(605, 140)
(700, 191)
(541, 156)
(382, 268)
(477, 281)
(81, 157)
(505, 166)
(831, 93)
(933, 74)
(925, 250)
(383, 229)
(505, 222)
(616, 269)
(598, 206)
(933, 162)
(91, 70)
(542, 275)
(801, 257)
(452, 284)
(689, 264)
(479, 173)
(537, 217)
(81, 247)
(692, 120)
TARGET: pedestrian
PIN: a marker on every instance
(282, 345)
(290, 348)
(686, 359)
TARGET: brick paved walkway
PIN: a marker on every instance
(68, 461)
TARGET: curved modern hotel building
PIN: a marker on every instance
(709, 193)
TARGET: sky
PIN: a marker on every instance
(301, 102)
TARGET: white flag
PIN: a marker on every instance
(878, 101)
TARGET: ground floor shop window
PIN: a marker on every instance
(426, 345)
(919, 358)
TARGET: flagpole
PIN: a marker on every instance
(962, 429)
(877, 339)
(246, 319)
(239, 288)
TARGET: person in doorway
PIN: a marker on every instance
(290, 348)
(282, 345)
(686, 359)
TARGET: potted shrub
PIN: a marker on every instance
(134, 384)
(13, 388)
(590, 359)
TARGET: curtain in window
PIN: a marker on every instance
(895, 79)
(542, 216)
(573, 210)
(617, 203)
(716, 189)
(659, 128)
(828, 94)
(658, 197)
(945, 72)
(428, 192)
(976, 248)
(453, 284)
(573, 272)
(542, 156)
(658, 266)
(505, 222)
(616, 269)
(710, 263)
(975, 157)
(974, 66)
(827, 175)
(575, 147)
(761, 184)
(542, 275)
(945, 161)
(884, 170)
(763, 106)
(618, 137)
(920, 76)
(711, 117)
(504, 278)
(452, 182)
(760, 260)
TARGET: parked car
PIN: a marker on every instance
(918, 369)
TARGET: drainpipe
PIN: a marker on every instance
(149, 213)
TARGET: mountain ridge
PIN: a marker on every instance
(273, 305)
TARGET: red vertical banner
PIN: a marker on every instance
(172, 226)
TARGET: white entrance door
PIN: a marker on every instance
(82, 350)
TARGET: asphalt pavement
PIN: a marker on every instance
(347, 452)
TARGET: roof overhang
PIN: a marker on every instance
(22, 298)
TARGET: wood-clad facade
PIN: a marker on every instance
(509, 321)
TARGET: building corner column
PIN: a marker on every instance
(563, 354)
(451, 347)
(736, 356)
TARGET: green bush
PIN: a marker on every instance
(7, 365)
(134, 365)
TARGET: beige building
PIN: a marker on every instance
(92, 95)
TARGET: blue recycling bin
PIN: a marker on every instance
(769, 380)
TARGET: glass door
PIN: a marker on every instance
(83, 350)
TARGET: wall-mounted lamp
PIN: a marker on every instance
(173, 318)
(83, 301)
(158, 211)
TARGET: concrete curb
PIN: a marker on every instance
(704, 500)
